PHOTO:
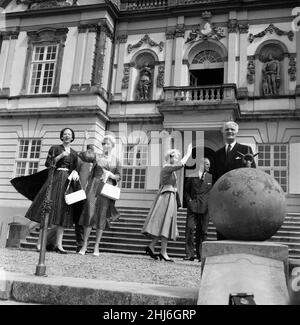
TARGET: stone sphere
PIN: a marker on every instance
(247, 204)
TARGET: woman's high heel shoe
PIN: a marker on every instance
(57, 250)
(150, 253)
(161, 257)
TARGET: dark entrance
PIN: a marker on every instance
(207, 77)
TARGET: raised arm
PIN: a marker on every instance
(87, 155)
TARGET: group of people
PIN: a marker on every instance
(91, 170)
(87, 169)
(161, 220)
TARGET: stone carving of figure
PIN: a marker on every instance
(271, 74)
(144, 85)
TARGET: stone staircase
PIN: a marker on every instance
(125, 236)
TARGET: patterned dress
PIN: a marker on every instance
(99, 210)
(61, 213)
(162, 217)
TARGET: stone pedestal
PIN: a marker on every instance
(259, 268)
(16, 233)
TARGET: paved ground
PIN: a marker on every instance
(108, 266)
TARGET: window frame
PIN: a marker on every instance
(43, 62)
(272, 168)
(44, 37)
(134, 167)
(27, 160)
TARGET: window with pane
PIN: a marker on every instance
(43, 66)
(273, 159)
(27, 162)
(135, 159)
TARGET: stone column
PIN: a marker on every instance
(9, 40)
(88, 56)
(79, 57)
(243, 28)
(298, 70)
(232, 49)
(168, 58)
(122, 39)
(179, 44)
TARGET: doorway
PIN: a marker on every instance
(206, 77)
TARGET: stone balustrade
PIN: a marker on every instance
(202, 94)
(146, 4)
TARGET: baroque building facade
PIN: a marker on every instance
(155, 73)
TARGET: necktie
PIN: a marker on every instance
(202, 177)
(228, 150)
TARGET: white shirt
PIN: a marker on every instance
(201, 173)
(231, 145)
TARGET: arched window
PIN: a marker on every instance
(207, 56)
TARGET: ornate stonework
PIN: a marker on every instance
(272, 29)
(125, 80)
(243, 28)
(292, 68)
(122, 38)
(251, 71)
(232, 26)
(42, 4)
(208, 31)
(179, 30)
(161, 76)
(170, 34)
(145, 39)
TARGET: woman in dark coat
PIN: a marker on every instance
(161, 222)
(98, 210)
(65, 159)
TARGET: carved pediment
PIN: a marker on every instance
(145, 39)
(41, 4)
(272, 29)
(204, 32)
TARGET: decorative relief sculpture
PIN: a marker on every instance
(272, 29)
(125, 80)
(145, 83)
(251, 71)
(41, 4)
(145, 39)
(292, 69)
(208, 31)
(271, 76)
(161, 76)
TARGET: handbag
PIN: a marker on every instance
(110, 191)
(75, 196)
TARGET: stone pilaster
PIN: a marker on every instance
(168, 58)
(243, 29)
(179, 44)
(232, 47)
(9, 39)
(122, 40)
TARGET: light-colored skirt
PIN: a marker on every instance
(162, 217)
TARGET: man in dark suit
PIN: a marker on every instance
(231, 156)
(196, 192)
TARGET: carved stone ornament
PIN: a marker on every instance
(232, 26)
(125, 80)
(145, 39)
(179, 30)
(292, 69)
(41, 4)
(208, 31)
(161, 76)
(251, 71)
(272, 29)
